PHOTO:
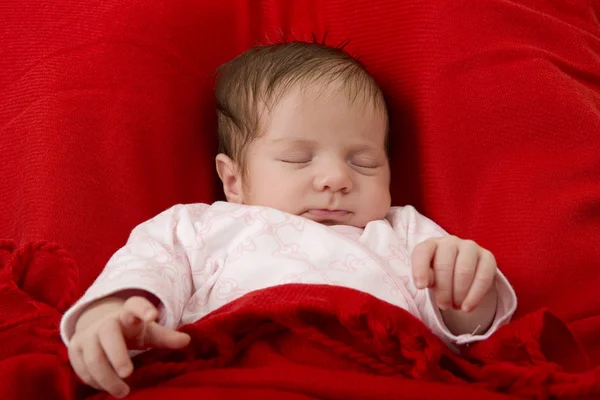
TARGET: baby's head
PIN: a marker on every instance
(303, 129)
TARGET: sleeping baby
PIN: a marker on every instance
(303, 161)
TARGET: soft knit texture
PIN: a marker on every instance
(230, 250)
(292, 341)
(107, 118)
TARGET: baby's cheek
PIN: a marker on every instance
(380, 203)
(279, 196)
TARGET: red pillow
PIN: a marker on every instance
(107, 117)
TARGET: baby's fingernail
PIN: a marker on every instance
(444, 306)
(149, 314)
(124, 372)
(466, 308)
(420, 283)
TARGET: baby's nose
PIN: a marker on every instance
(335, 178)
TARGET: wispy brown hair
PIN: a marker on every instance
(257, 79)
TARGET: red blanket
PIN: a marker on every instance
(286, 342)
(107, 118)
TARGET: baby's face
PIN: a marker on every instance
(322, 157)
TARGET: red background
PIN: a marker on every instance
(107, 118)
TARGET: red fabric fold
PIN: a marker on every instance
(37, 283)
(289, 342)
(284, 337)
(107, 118)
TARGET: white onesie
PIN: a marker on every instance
(195, 258)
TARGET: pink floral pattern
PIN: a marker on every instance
(196, 258)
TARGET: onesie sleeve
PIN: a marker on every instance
(415, 228)
(156, 259)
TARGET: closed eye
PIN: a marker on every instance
(299, 161)
(363, 164)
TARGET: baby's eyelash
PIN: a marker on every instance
(365, 165)
(295, 161)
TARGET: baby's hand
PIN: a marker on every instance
(460, 271)
(99, 351)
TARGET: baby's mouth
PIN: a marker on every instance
(322, 215)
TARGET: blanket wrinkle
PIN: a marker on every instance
(409, 351)
(281, 339)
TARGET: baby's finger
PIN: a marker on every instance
(464, 271)
(483, 281)
(443, 269)
(112, 341)
(102, 372)
(76, 360)
(421, 259)
(138, 307)
(162, 337)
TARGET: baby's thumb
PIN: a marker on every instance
(161, 337)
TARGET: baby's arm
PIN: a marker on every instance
(479, 320)
(137, 301)
(98, 351)
(109, 305)
(98, 310)
(156, 260)
(461, 274)
(485, 296)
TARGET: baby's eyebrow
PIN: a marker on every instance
(294, 141)
(365, 148)
(308, 143)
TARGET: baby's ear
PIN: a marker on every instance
(230, 175)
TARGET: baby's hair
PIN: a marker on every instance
(251, 84)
